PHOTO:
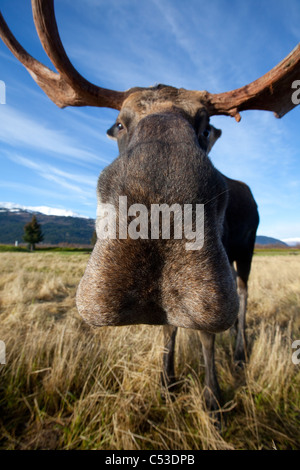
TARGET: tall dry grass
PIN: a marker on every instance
(68, 386)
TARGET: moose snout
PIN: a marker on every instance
(135, 286)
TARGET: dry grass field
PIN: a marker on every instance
(68, 386)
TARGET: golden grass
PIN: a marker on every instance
(68, 386)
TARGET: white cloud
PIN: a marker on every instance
(292, 241)
(19, 129)
(45, 169)
(85, 188)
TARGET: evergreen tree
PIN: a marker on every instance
(33, 233)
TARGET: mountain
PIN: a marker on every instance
(56, 228)
(292, 241)
(262, 240)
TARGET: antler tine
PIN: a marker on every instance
(271, 92)
(87, 93)
(38, 71)
(67, 87)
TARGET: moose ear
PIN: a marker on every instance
(112, 132)
(202, 128)
(214, 135)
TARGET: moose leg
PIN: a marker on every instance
(240, 354)
(212, 390)
(233, 329)
(168, 374)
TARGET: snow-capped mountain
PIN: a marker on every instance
(12, 207)
(58, 225)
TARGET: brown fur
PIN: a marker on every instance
(163, 141)
(159, 281)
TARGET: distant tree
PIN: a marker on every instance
(94, 238)
(33, 233)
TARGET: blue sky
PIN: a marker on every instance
(52, 157)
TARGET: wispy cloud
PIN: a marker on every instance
(7, 56)
(86, 184)
(19, 129)
(27, 191)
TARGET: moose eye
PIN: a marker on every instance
(206, 133)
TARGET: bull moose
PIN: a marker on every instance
(164, 137)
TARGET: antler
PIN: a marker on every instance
(67, 87)
(271, 92)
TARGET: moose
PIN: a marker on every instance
(164, 137)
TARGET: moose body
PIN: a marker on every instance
(164, 138)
